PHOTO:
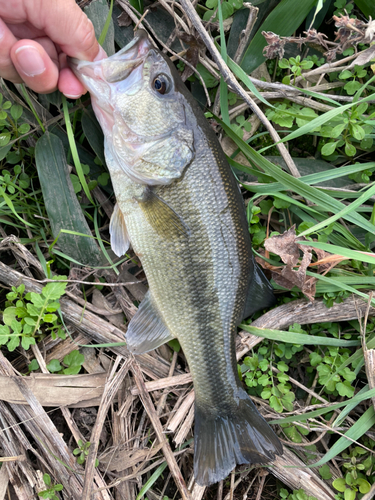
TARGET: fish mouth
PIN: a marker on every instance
(121, 71)
(115, 68)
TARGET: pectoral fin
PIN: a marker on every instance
(147, 330)
(164, 220)
(119, 235)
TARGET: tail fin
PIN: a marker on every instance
(222, 441)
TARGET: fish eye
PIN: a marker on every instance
(161, 84)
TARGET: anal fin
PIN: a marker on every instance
(147, 330)
(119, 235)
(164, 220)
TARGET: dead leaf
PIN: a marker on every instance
(121, 457)
(192, 55)
(275, 45)
(124, 20)
(364, 57)
(287, 247)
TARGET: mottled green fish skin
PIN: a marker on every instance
(198, 279)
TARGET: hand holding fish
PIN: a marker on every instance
(36, 37)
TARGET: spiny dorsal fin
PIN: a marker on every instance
(147, 330)
(119, 235)
(164, 220)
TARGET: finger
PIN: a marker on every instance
(24, 30)
(7, 40)
(68, 83)
(66, 24)
(35, 66)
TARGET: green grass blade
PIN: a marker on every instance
(322, 119)
(345, 252)
(322, 199)
(159, 471)
(9, 202)
(64, 211)
(241, 75)
(105, 29)
(31, 106)
(342, 285)
(367, 7)
(101, 17)
(362, 425)
(350, 407)
(297, 338)
(101, 244)
(342, 213)
(74, 151)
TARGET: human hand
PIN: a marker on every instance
(35, 38)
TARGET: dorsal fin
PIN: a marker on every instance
(147, 330)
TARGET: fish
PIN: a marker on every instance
(180, 208)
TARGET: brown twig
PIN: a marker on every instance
(245, 34)
(264, 474)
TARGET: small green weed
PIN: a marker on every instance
(263, 381)
(72, 364)
(295, 65)
(82, 452)
(295, 495)
(334, 382)
(286, 114)
(52, 488)
(26, 314)
(343, 7)
(228, 9)
(11, 129)
(352, 130)
(360, 462)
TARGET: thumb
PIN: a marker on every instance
(66, 25)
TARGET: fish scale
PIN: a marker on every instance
(186, 222)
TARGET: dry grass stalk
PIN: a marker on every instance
(147, 403)
(44, 431)
(78, 391)
(300, 477)
(111, 388)
(302, 312)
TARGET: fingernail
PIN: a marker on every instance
(70, 96)
(29, 60)
(101, 54)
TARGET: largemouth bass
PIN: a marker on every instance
(180, 208)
